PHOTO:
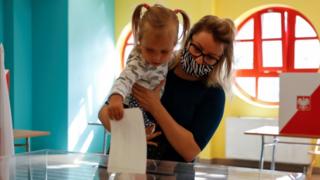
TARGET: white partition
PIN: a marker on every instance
(247, 147)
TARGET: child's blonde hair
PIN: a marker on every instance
(157, 16)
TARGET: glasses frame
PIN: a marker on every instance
(207, 59)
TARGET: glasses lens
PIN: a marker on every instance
(194, 50)
(210, 60)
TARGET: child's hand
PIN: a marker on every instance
(150, 133)
(115, 107)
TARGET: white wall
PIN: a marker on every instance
(241, 146)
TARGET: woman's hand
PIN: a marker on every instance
(147, 99)
(150, 134)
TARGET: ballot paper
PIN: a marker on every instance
(128, 148)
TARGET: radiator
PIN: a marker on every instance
(247, 147)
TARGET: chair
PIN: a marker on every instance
(313, 153)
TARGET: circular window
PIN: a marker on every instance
(271, 41)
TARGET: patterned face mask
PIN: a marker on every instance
(190, 66)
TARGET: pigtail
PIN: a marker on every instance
(186, 23)
(136, 17)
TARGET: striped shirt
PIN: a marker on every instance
(138, 71)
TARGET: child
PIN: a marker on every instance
(155, 35)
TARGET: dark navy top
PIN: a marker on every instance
(193, 105)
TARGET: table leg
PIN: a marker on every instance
(273, 163)
(262, 152)
(27, 144)
(46, 166)
(104, 141)
(30, 173)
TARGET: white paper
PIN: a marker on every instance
(128, 148)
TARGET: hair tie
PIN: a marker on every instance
(177, 11)
(145, 5)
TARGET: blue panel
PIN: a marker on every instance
(50, 73)
(8, 44)
(58, 68)
(1, 21)
(22, 64)
(91, 70)
(15, 30)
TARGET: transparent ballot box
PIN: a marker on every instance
(50, 164)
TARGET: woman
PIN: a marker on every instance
(192, 105)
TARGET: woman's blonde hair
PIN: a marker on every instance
(222, 31)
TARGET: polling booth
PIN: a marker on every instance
(7, 77)
(299, 106)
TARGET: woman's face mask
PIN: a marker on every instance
(190, 66)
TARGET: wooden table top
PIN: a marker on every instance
(264, 130)
(18, 133)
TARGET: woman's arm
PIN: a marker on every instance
(180, 138)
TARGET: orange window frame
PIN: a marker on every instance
(288, 48)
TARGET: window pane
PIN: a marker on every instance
(130, 40)
(303, 28)
(268, 88)
(307, 54)
(272, 53)
(286, 21)
(246, 31)
(243, 52)
(271, 25)
(248, 84)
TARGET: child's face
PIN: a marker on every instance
(157, 46)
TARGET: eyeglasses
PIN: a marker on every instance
(196, 52)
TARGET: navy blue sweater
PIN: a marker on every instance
(194, 106)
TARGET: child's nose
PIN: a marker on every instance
(157, 57)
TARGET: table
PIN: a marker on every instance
(50, 164)
(274, 132)
(27, 135)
